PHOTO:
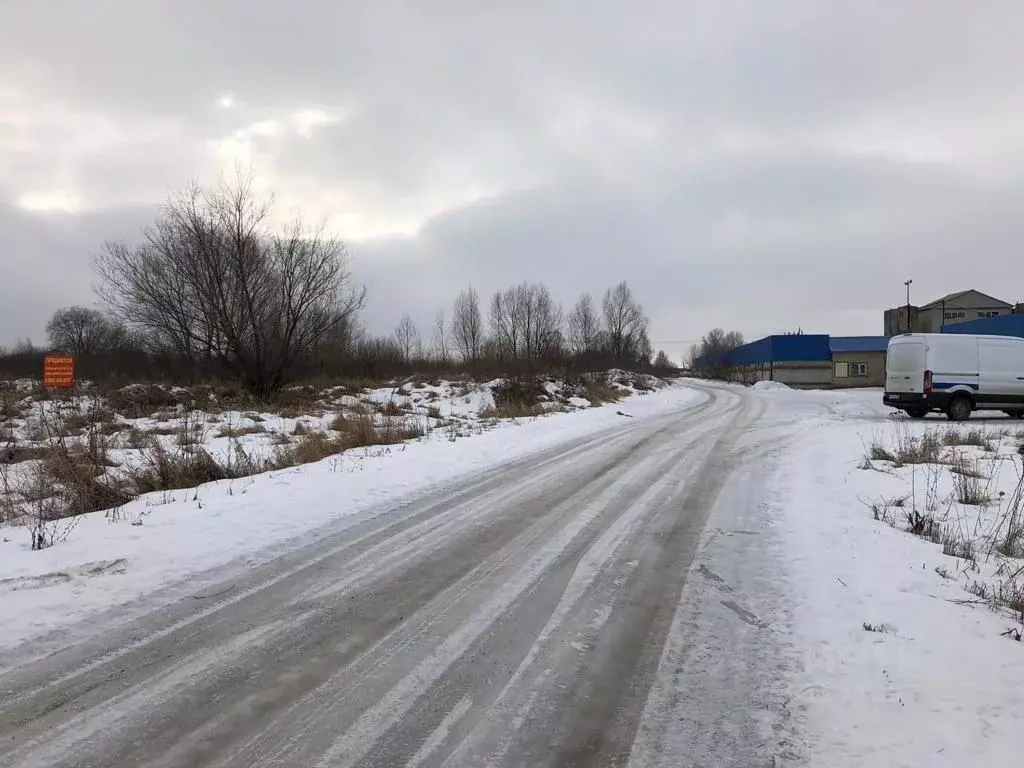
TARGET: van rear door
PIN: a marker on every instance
(905, 365)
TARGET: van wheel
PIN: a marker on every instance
(917, 413)
(960, 408)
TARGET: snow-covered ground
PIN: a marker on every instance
(896, 653)
(901, 662)
(169, 537)
(116, 436)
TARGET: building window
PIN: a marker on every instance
(988, 314)
(954, 316)
(858, 369)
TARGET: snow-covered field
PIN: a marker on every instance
(167, 538)
(133, 438)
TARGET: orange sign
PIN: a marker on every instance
(58, 372)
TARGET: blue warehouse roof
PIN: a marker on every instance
(805, 347)
(859, 343)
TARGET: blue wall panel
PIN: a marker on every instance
(859, 343)
(1004, 325)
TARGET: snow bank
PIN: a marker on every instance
(769, 386)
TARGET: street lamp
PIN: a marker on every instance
(907, 283)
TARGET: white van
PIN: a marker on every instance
(955, 373)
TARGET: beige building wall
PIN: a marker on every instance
(802, 375)
(959, 308)
(858, 369)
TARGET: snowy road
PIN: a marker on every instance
(568, 609)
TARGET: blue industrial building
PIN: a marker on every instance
(818, 361)
(1003, 325)
(804, 360)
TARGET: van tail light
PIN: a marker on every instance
(927, 382)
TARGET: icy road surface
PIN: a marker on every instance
(550, 612)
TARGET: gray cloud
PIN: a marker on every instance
(753, 165)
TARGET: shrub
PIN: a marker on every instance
(598, 392)
(969, 484)
(162, 470)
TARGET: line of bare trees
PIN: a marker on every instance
(216, 288)
(710, 356)
(524, 330)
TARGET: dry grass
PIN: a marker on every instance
(312, 446)
(970, 485)
(878, 451)
(973, 436)
(598, 392)
(71, 475)
(236, 432)
(1010, 530)
(190, 434)
(364, 431)
(82, 486)
(16, 454)
(139, 401)
(13, 405)
(390, 408)
(136, 439)
(162, 470)
(1007, 594)
(511, 411)
(907, 448)
(955, 544)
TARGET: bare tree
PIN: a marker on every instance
(712, 354)
(505, 323)
(526, 323)
(661, 360)
(584, 326)
(213, 279)
(542, 325)
(441, 339)
(81, 331)
(407, 336)
(692, 356)
(625, 325)
(468, 325)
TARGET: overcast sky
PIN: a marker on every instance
(757, 165)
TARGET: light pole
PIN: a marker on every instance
(907, 283)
